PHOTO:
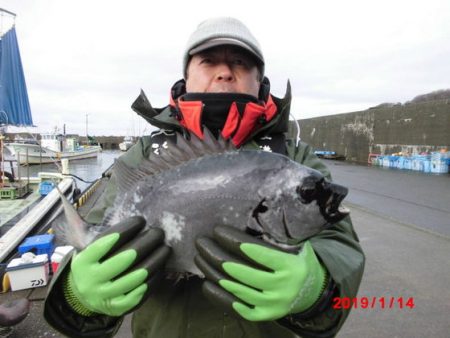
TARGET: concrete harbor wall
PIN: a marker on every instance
(409, 128)
(109, 142)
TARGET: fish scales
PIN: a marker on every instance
(190, 200)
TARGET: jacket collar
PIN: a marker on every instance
(163, 118)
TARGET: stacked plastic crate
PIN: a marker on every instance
(437, 162)
(421, 163)
(440, 162)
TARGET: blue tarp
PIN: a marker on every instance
(13, 89)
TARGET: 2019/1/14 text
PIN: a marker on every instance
(373, 302)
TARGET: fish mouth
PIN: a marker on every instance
(328, 196)
(330, 200)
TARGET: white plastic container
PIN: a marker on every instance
(28, 271)
(58, 255)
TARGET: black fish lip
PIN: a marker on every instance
(330, 202)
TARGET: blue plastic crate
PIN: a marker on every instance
(40, 244)
(407, 164)
(393, 161)
(45, 187)
(324, 152)
(439, 166)
(426, 166)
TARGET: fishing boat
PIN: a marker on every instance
(24, 205)
(29, 206)
(24, 202)
(126, 144)
(53, 147)
(15, 111)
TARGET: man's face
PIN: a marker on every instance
(223, 69)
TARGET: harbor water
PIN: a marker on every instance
(86, 169)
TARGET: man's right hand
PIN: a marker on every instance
(114, 274)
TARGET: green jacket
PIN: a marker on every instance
(180, 309)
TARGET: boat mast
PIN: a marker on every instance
(87, 135)
(8, 12)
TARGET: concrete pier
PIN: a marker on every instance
(403, 222)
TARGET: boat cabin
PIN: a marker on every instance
(58, 142)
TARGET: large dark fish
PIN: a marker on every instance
(195, 185)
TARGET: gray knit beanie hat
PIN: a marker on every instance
(222, 31)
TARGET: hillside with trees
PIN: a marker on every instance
(441, 94)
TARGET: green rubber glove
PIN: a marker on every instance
(256, 280)
(114, 273)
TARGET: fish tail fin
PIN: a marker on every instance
(75, 230)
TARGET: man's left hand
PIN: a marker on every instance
(258, 281)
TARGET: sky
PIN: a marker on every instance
(88, 60)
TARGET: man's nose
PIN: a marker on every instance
(224, 72)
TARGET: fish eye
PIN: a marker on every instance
(306, 194)
(308, 190)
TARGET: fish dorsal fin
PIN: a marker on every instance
(126, 176)
(185, 150)
(170, 156)
(109, 218)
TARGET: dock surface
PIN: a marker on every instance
(403, 222)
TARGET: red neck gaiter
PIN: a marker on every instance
(235, 116)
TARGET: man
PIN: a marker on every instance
(283, 295)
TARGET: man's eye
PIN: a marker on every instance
(206, 60)
(239, 62)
